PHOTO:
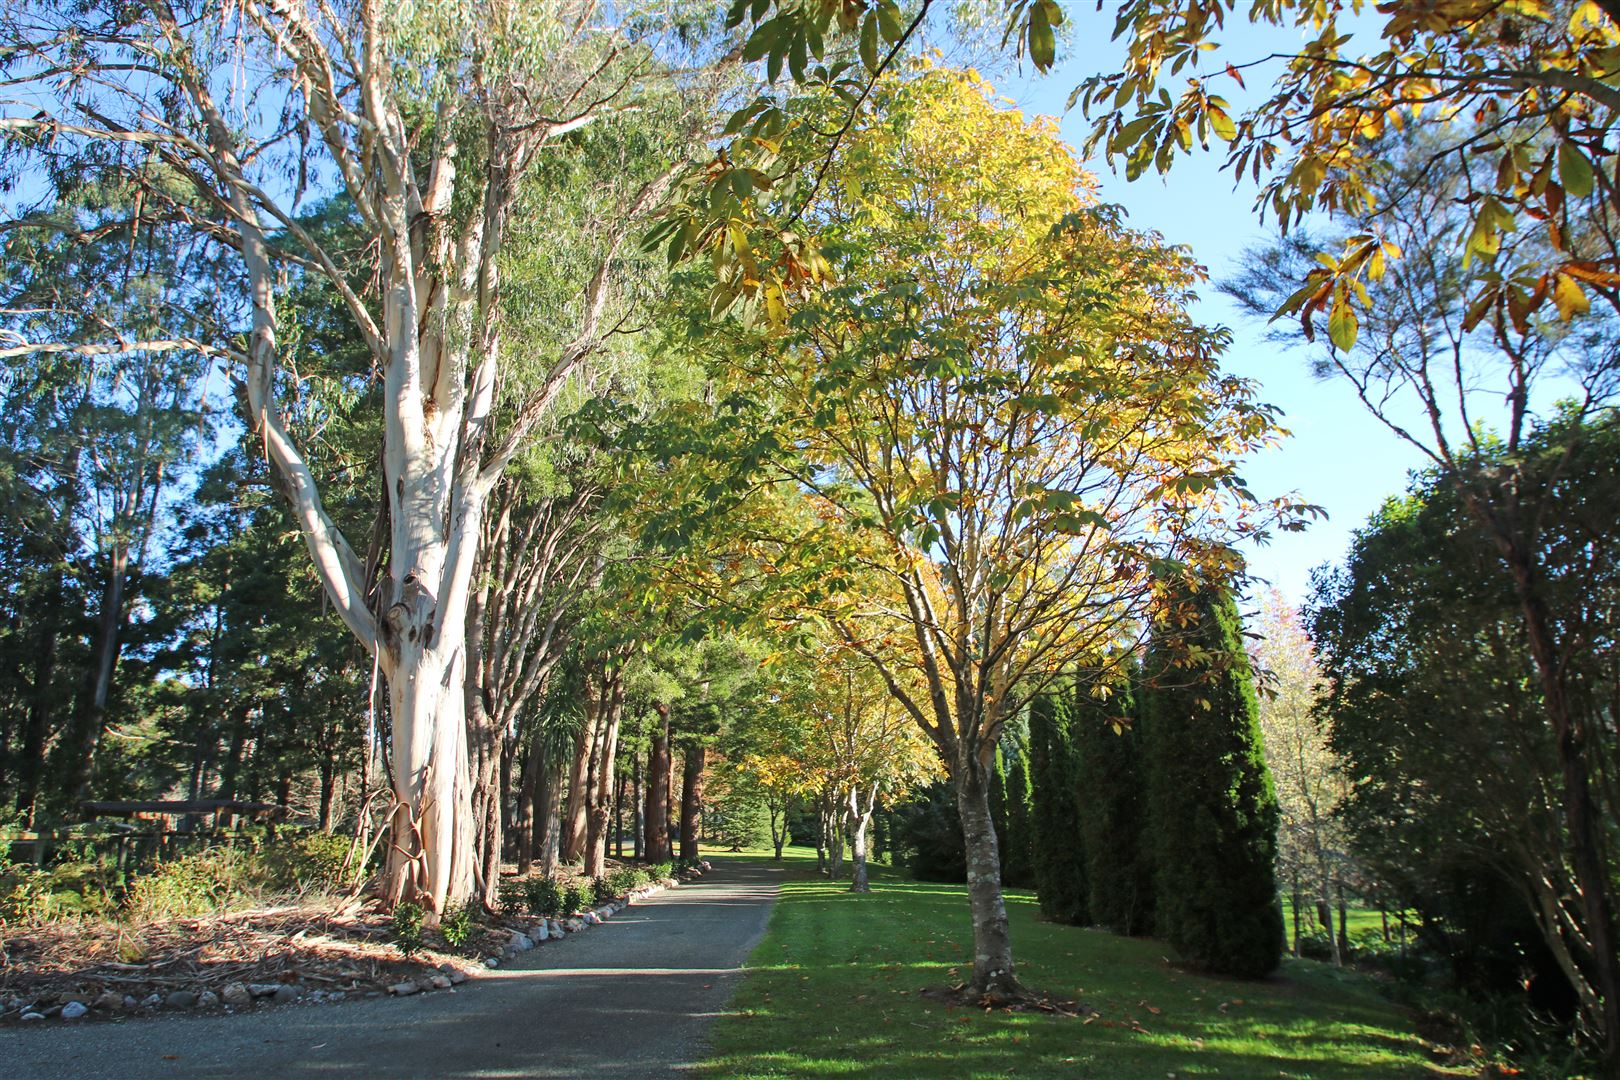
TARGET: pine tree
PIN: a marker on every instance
(1109, 779)
(1212, 810)
(1059, 857)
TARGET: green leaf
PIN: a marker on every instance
(869, 42)
(1343, 326)
(889, 21)
(1042, 41)
(1574, 171)
(760, 41)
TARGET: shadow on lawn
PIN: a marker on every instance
(834, 989)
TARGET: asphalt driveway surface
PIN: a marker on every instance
(630, 998)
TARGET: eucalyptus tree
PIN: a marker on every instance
(427, 120)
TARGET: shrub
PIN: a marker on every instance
(662, 871)
(1113, 811)
(408, 927)
(544, 896)
(198, 884)
(601, 889)
(626, 880)
(512, 895)
(457, 924)
(311, 860)
(575, 898)
(1059, 860)
(1211, 807)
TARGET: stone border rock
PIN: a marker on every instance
(238, 996)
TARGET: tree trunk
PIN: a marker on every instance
(525, 824)
(548, 822)
(41, 705)
(328, 792)
(579, 774)
(636, 807)
(231, 771)
(778, 826)
(657, 812)
(485, 751)
(91, 716)
(431, 853)
(618, 816)
(993, 973)
(697, 755)
(599, 785)
(855, 821)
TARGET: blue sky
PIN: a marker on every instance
(1338, 457)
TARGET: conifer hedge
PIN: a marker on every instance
(1212, 811)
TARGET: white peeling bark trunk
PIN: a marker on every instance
(856, 819)
(431, 857)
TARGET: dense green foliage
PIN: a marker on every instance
(1110, 777)
(1059, 856)
(1437, 712)
(1212, 813)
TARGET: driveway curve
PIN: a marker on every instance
(630, 998)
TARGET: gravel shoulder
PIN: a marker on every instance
(630, 998)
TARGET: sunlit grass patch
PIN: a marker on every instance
(833, 990)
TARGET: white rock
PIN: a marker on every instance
(236, 994)
(520, 942)
(403, 989)
(263, 989)
(540, 933)
(74, 1009)
(439, 982)
(207, 999)
(456, 976)
(110, 1001)
(31, 1016)
(152, 1001)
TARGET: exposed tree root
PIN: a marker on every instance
(965, 996)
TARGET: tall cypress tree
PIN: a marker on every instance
(1110, 782)
(1212, 810)
(1059, 856)
(1018, 854)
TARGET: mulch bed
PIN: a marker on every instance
(348, 950)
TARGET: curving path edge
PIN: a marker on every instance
(633, 997)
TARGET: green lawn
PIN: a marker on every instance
(833, 985)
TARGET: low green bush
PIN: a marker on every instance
(601, 889)
(625, 880)
(458, 923)
(661, 871)
(512, 895)
(544, 897)
(576, 898)
(309, 861)
(199, 884)
(408, 927)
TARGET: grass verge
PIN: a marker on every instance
(833, 990)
